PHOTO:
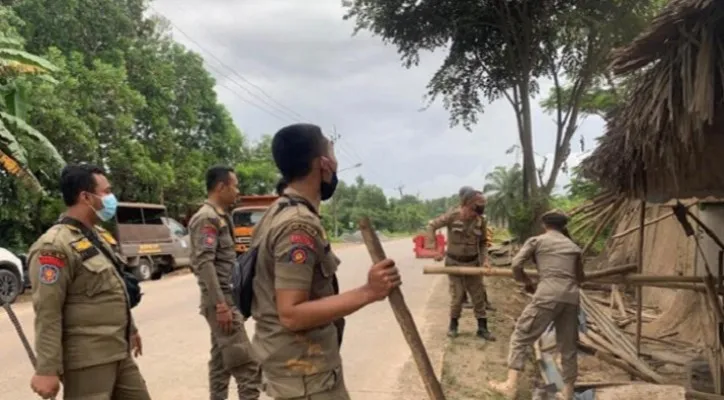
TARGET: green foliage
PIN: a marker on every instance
(392, 216)
(503, 189)
(123, 95)
(501, 49)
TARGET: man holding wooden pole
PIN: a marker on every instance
(295, 301)
(467, 243)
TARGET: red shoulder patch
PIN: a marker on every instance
(52, 258)
(302, 239)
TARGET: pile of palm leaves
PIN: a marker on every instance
(677, 102)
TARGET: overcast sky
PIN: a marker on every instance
(281, 61)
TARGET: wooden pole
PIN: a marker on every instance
(404, 318)
(639, 289)
(508, 273)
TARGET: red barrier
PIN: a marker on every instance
(420, 250)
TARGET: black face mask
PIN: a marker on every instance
(327, 189)
(479, 210)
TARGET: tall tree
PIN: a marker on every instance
(504, 191)
(501, 49)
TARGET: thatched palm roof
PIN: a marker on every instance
(668, 140)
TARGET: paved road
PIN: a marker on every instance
(176, 338)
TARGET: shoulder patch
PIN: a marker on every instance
(301, 238)
(49, 257)
(298, 255)
(85, 248)
(209, 235)
(49, 274)
(81, 244)
(108, 238)
(306, 228)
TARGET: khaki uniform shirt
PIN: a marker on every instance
(294, 253)
(82, 312)
(557, 259)
(467, 239)
(212, 253)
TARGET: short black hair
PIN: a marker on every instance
(295, 146)
(77, 178)
(217, 174)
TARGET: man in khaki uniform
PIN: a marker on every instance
(467, 244)
(84, 333)
(212, 257)
(555, 301)
(295, 303)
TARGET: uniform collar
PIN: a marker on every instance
(291, 193)
(219, 210)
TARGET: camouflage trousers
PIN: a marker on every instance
(531, 325)
(120, 380)
(231, 355)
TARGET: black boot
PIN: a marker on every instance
(483, 331)
(453, 329)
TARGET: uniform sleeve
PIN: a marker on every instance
(50, 275)
(134, 328)
(524, 254)
(296, 251)
(204, 232)
(433, 226)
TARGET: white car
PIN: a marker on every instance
(12, 276)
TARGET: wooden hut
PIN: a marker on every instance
(667, 142)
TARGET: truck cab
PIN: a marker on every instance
(246, 216)
(151, 242)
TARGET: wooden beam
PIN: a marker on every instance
(508, 273)
(639, 289)
(404, 318)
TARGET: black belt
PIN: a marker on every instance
(463, 259)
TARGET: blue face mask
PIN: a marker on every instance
(110, 204)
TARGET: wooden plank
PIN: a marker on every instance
(404, 318)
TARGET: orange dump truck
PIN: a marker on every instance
(246, 216)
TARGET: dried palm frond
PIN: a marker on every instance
(658, 141)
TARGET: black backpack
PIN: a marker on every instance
(244, 270)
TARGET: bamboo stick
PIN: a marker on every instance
(649, 222)
(404, 318)
(639, 289)
(508, 273)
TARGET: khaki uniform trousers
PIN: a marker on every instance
(120, 380)
(460, 285)
(531, 325)
(231, 355)
(337, 391)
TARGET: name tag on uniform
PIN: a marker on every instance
(85, 248)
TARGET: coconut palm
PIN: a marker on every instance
(16, 65)
(504, 189)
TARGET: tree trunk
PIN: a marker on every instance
(526, 141)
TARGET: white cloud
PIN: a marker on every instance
(303, 55)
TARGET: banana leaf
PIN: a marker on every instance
(23, 126)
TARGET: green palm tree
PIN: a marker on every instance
(503, 189)
(16, 65)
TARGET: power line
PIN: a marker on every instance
(280, 107)
(277, 110)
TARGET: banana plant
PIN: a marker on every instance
(16, 65)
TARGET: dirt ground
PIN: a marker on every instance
(469, 363)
